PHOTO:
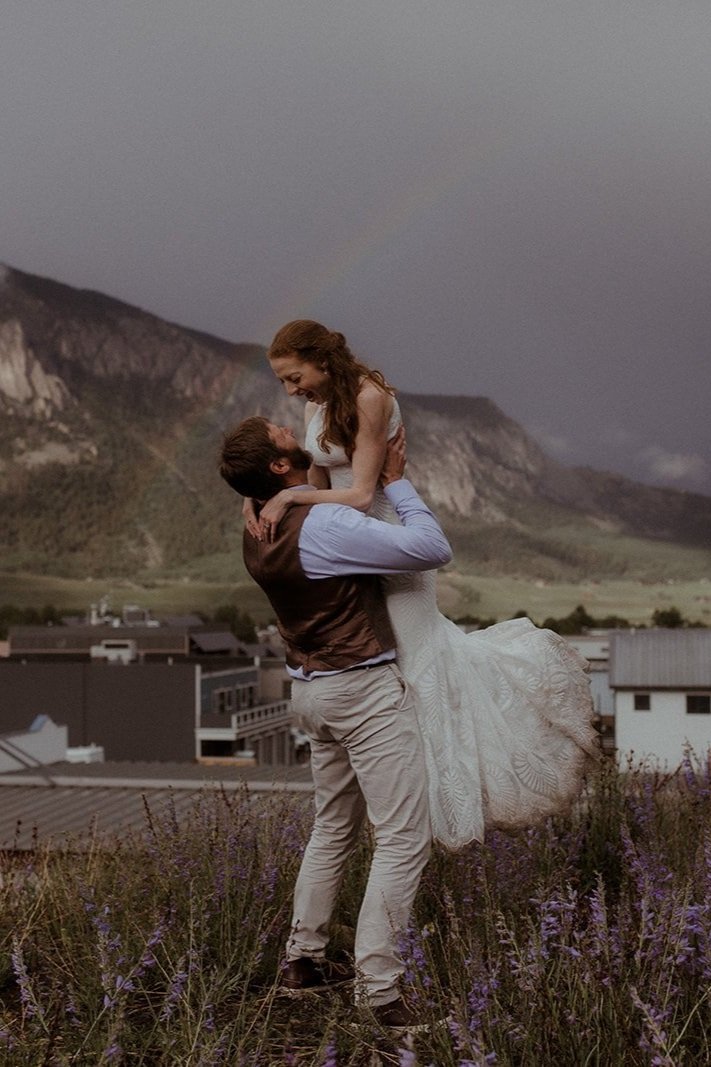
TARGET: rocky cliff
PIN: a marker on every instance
(111, 420)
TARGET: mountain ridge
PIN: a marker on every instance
(112, 419)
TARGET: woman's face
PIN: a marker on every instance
(301, 378)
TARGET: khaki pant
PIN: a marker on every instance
(367, 759)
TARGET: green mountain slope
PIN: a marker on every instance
(111, 421)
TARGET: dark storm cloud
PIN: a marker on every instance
(506, 199)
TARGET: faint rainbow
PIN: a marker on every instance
(380, 228)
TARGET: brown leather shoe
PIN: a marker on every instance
(305, 975)
(399, 1017)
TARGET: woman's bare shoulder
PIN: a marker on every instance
(310, 410)
(373, 401)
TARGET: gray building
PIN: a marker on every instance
(145, 693)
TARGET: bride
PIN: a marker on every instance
(505, 713)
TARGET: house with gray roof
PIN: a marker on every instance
(661, 680)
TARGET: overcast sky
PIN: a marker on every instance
(508, 199)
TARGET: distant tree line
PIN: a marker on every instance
(579, 621)
(244, 627)
(10, 615)
(239, 622)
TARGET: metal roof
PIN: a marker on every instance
(80, 804)
(79, 639)
(660, 659)
(222, 641)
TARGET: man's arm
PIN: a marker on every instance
(337, 540)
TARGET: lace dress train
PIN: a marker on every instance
(505, 713)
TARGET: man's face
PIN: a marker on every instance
(284, 439)
(282, 436)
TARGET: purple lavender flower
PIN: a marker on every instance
(654, 1038)
(479, 999)
(175, 992)
(27, 996)
(412, 953)
(331, 1060)
(406, 1057)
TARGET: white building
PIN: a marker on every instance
(41, 743)
(595, 647)
(662, 685)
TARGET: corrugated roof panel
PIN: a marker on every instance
(150, 772)
(33, 810)
(79, 639)
(215, 642)
(56, 814)
(660, 659)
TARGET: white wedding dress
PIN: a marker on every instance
(505, 713)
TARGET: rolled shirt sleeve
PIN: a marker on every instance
(337, 540)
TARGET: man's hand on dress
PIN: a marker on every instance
(395, 458)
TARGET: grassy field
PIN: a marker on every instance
(459, 594)
(162, 596)
(584, 941)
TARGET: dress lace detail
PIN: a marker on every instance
(505, 713)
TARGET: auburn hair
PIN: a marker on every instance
(329, 350)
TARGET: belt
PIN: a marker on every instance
(367, 666)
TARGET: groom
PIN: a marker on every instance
(320, 571)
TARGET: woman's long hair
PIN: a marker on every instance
(328, 349)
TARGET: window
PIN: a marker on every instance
(642, 702)
(698, 704)
(222, 700)
(245, 696)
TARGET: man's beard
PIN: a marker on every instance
(299, 459)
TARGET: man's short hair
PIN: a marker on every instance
(247, 452)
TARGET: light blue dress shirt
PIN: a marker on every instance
(336, 540)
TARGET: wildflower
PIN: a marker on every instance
(654, 1038)
(102, 921)
(6, 1039)
(174, 994)
(268, 881)
(330, 1060)
(687, 770)
(27, 996)
(479, 999)
(410, 947)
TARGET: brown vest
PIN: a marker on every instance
(328, 624)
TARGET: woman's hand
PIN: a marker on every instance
(251, 521)
(395, 458)
(272, 513)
